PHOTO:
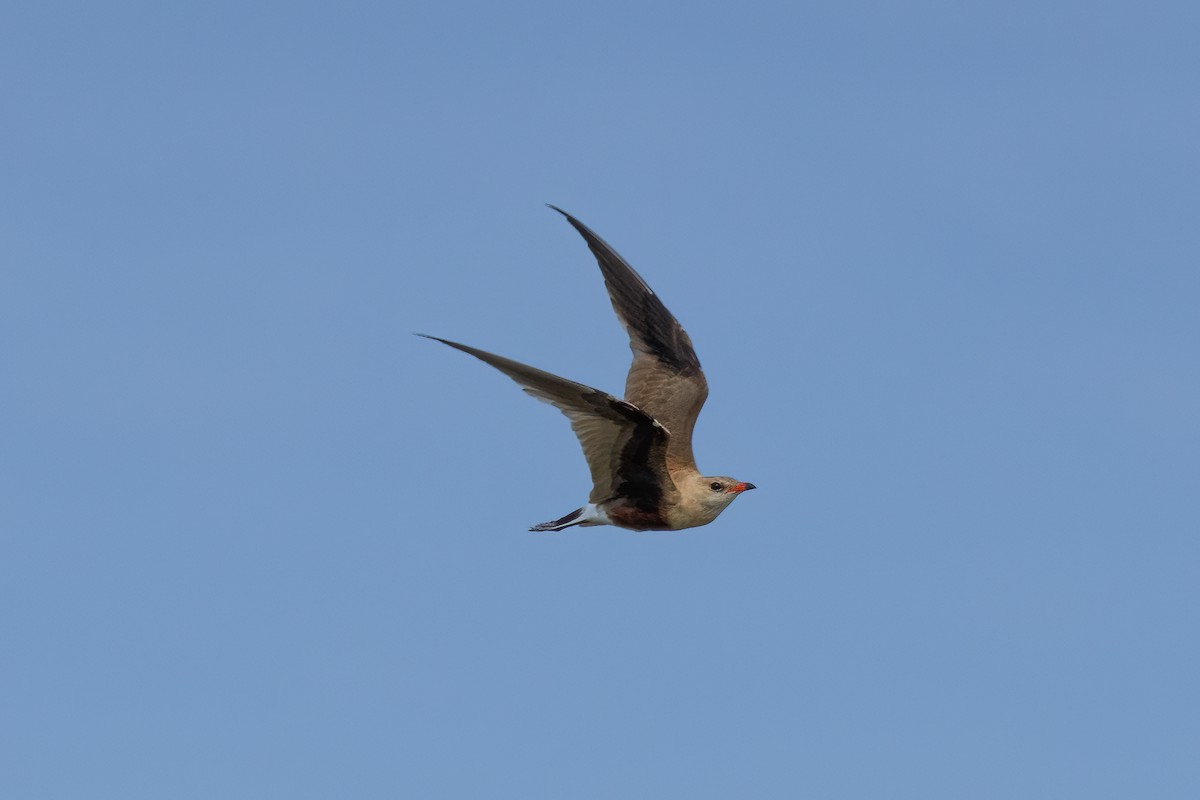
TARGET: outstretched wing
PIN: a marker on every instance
(624, 447)
(665, 379)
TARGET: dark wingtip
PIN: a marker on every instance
(579, 226)
(587, 233)
(446, 342)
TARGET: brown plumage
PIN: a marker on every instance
(639, 449)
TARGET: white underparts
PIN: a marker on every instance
(593, 515)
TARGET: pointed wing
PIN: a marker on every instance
(665, 379)
(624, 447)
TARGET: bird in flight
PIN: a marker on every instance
(639, 449)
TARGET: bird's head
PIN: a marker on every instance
(716, 493)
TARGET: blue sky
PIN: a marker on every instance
(939, 261)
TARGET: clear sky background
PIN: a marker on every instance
(941, 262)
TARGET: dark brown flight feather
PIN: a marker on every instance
(665, 379)
(625, 448)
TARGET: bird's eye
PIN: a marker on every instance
(716, 487)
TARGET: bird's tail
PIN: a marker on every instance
(574, 518)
